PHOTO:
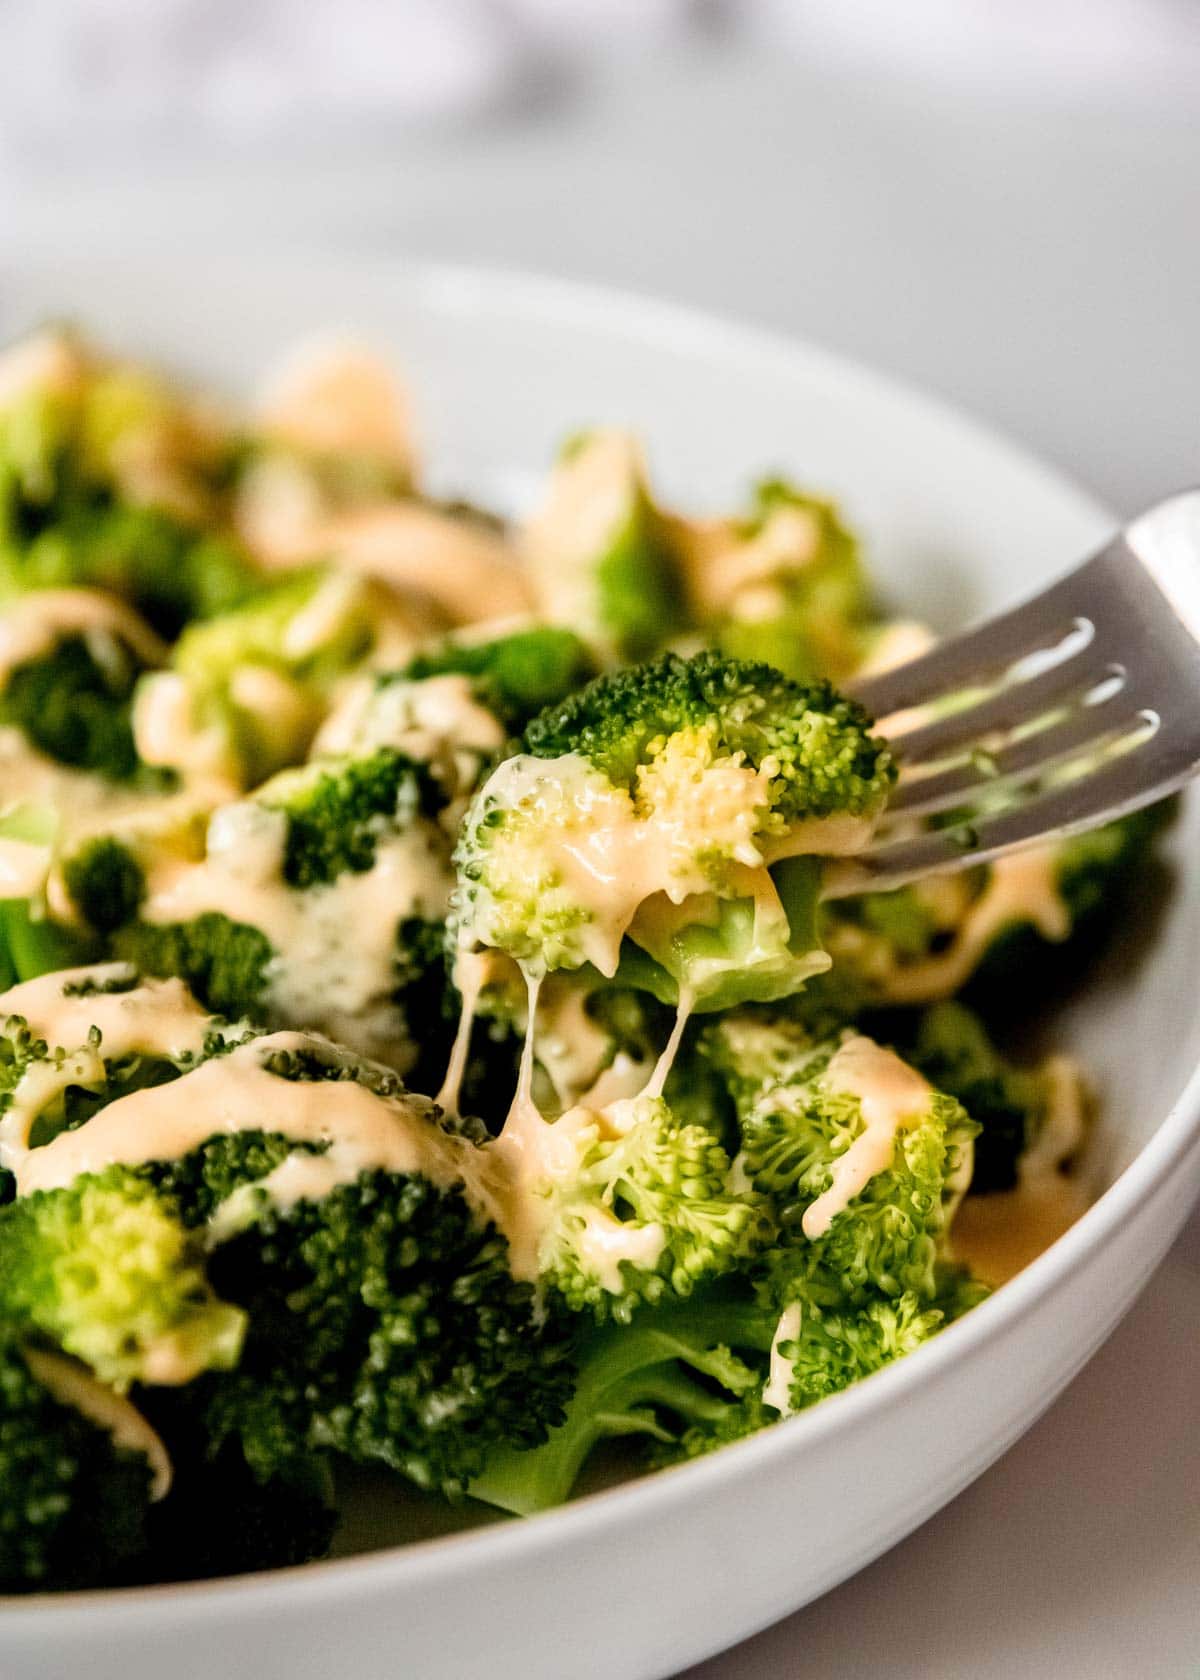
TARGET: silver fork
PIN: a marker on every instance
(1076, 707)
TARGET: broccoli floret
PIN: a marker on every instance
(642, 820)
(1010, 1104)
(247, 690)
(866, 1199)
(515, 676)
(70, 692)
(647, 1210)
(1003, 934)
(103, 1269)
(349, 874)
(105, 482)
(75, 1501)
(684, 1376)
(384, 1321)
(598, 549)
(785, 584)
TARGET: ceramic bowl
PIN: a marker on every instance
(639, 1581)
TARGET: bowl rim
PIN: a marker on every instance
(647, 318)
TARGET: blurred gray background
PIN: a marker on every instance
(1001, 203)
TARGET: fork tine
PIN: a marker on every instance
(1021, 701)
(1139, 777)
(977, 655)
(1089, 729)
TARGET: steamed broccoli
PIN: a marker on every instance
(861, 1160)
(73, 658)
(76, 1496)
(246, 690)
(30, 942)
(106, 481)
(659, 818)
(598, 550)
(684, 1377)
(785, 584)
(318, 901)
(1009, 1103)
(1003, 932)
(103, 1269)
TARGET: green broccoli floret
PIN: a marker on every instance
(657, 819)
(106, 480)
(70, 693)
(246, 690)
(598, 549)
(1010, 1104)
(862, 1163)
(1002, 934)
(828, 1348)
(684, 1376)
(634, 1206)
(785, 584)
(350, 874)
(384, 1321)
(75, 1501)
(515, 676)
(103, 1269)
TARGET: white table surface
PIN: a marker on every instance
(1040, 266)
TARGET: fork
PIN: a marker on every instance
(1074, 708)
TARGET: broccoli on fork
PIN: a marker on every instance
(668, 818)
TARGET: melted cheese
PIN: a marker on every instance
(1022, 887)
(607, 852)
(460, 567)
(236, 1093)
(999, 1234)
(167, 732)
(73, 1385)
(334, 944)
(23, 868)
(889, 1094)
(777, 1390)
(436, 720)
(335, 397)
(34, 625)
(159, 1017)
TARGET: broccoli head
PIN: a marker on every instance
(69, 660)
(109, 481)
(684, 1377)
(785, 583)
(247, 690)
(319, 901)
(79, 1470)
(665, 816)
(598, 552)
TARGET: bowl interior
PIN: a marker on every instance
(500, 368)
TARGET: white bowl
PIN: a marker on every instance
(638, 1582)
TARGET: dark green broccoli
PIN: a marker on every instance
(1010, 1103)
(350, 874)
(69, 681)
(1004, 935)
(76, 1500)
(655, 819)
(684, 1376)
(515, 676)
